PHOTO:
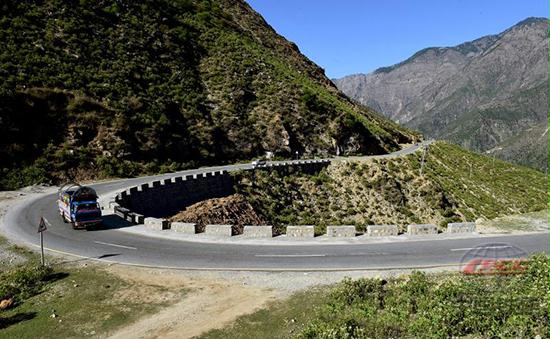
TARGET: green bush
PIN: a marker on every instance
(438, 306)
(23, 281)
(21, 177)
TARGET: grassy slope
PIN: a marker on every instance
(132, 88)
(391, 191)
(486, 187)
(87, 300)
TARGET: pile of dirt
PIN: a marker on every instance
(234, 210)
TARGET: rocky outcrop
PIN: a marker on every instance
(234, 210)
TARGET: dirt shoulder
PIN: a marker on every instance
(210, 303)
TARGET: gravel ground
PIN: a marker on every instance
(8, 256)
(284, 283)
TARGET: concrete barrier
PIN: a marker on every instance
(461, 227)
(154, 184)
(183, 227)
(421, 229)
(139, 219)
(345, 231)
(121, 212)
(223, 230)
(156, 224)
(300, 231)
(258, 231)
(382, 230)
(130, 217)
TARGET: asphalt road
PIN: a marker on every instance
(114, 245)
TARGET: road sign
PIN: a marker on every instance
(42, 226)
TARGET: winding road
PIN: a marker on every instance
(113, 244)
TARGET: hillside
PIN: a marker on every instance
(480, 94)
(106, 88)
(457, 185)
(530, 147)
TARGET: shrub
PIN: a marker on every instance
(438, 306)
(23, 281)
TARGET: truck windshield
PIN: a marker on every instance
(90, 206)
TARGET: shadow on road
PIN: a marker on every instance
(108, 255)
(112, 222)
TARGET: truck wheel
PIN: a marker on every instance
(63, 217)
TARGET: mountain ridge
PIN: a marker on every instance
(119, 88)
(493, 80)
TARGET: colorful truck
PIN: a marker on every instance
(78, 205)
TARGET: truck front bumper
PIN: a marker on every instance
(87, 223)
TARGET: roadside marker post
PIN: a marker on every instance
(41, 228)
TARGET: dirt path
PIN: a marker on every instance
(208, 304)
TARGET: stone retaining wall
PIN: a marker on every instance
(461, 227)
(258, 231)
(156, 224)
(223, 230)
(421, 229)
(167, 197)
(183, 227)
(382, 230)
(163, 198)
(300, 231)
(341, 231)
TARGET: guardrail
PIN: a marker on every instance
(294, 231)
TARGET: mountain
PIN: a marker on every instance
(92, 89)
(528, 147)
(482, 94)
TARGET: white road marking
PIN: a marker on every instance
(115, 245)
(289, 255)
(366, 253)
(471, 248)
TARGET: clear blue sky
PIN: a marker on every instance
(358, 36)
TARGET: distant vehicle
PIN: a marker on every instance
(259, 162)
(78, 205)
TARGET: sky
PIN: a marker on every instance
(359, 36)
